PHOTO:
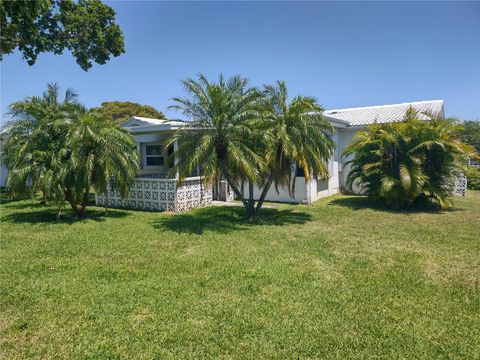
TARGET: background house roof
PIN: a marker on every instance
(145, 121)
(148, 120)
(384, 113)
(141, 124)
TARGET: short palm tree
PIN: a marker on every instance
(219, 136)
(296, 135)
(35, 142)
(102, 156)
(406, 162)
(58, 148)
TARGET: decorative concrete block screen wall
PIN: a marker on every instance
(460, 185)
(192, 193)
(159, 194)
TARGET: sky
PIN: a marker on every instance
(346, 54)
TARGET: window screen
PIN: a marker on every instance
(153, 155)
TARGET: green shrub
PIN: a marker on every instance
(403, 163)
(473, 178)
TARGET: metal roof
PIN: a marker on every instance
(142, 124)
(359, 116)
(385, 113)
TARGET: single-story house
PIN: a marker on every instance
(155, 190)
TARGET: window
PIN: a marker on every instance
(300, 172)
(153, 155)
(170, 160)
(322, 185)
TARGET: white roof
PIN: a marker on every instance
(139, 124)
(384, 113)
(148, 120)
(358, 116)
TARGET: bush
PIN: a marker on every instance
(404, 163)
(473, 178)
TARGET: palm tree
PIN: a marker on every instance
(58, 148)
(35, 142)
(403, 163)
(102, 156)
(296, 135)
(219, 137)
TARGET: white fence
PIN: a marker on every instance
(159, 194)
(460, 185)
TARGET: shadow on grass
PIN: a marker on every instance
(359, 202)
(5, 198)
(226, 219)
(47, 216)
(21, 204)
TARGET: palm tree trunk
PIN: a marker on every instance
(83, 203)
(235, 189)
(251, 201)
(44, 198)
(263, 195)
(106, 202)
(71, 201)
(59, 211)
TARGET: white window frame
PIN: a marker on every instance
(145, 156)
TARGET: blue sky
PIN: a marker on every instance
(346, 54)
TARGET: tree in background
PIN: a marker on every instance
(59, 148)
(121, 111)
(473, 177)
(86, 28)
(470, 134)
(403, 163)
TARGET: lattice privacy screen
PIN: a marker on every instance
(159, 194)
(460, 185)
(192, 194)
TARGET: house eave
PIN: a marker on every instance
(151, 128)
(337, 122)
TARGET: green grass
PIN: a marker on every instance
(338, 279)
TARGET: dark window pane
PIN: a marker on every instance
(154, 149)
(322, 185)
(155, 161)
(300, 172)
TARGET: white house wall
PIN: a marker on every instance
(333, 181)
(308, 192)
(334, 167)
(329, 186)
(3, 175)
(283, 194)
(345, 138)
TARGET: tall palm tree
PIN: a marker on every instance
(35, 143)
(102, 156)
(219, 136)
(296, 135)
(403, 163)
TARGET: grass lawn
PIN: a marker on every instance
(338, 279)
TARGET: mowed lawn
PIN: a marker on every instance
(338, 279)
